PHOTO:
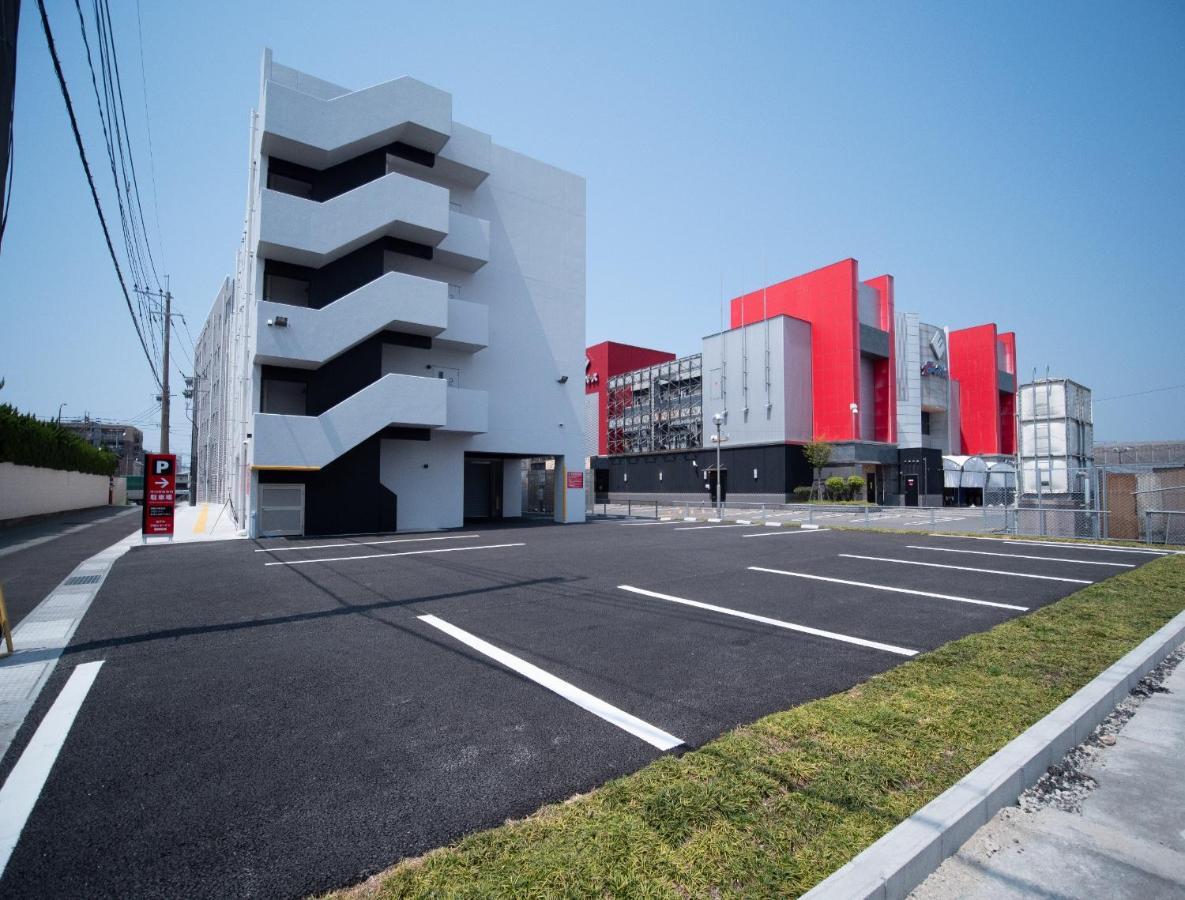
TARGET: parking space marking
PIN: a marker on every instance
(627, 524)
(1081, 562)
(704, 527)
(895, 590)
(1062, 545)
(448, 537)
(786, 531)
(777, 623)
(23, 787)
(302, 562)
(930, 565)
(656, 737)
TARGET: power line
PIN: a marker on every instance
(90, 180)
(148, 129)
(114, 61)
(1171, 387)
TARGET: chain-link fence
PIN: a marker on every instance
(1136, 503)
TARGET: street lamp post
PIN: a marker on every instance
(60, 405)
(718, 419)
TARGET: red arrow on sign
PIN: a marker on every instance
(162, 482)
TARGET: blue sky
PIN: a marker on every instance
(1012, 162)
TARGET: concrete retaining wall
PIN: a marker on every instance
(30, 491)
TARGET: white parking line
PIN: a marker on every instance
(1081, 562)
(895, 590)
(778, 623)
(23, 787)
(656, 737)
(702, 527)
(450, 537)
(803, 530)
(301, 562)
(930, 565)
(656, 522)
(1062, 545)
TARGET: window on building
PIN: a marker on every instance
(925, 422)
(286, 398)
(286, 289)
(290, 184)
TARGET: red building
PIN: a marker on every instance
(983, 362)
(852, 346)
(602, 362)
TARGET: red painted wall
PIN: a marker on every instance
(827, 298)
(603, 361)
(988, 415)
(1007, 342)
(886, 369)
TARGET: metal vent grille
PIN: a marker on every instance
(83, 579)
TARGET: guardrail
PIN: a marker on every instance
(861, 514)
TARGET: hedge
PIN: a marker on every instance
(28, 442)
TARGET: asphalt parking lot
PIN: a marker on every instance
(284, 717)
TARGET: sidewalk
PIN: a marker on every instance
(204, 522)
(1124, 837)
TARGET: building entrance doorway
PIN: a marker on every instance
(483, 488)
(911, 490)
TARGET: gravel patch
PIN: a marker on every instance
(1066, 784)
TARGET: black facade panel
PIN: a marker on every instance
(341, 377)
(346, 496)
(338, 278)
(779, 469)
(925, 463)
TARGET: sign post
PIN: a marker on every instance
(160, 493)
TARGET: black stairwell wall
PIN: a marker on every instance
(338, 278)
(780, 468)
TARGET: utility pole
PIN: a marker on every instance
(167, 297)
(191, 393)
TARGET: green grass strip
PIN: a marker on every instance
(772, 808)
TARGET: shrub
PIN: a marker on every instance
(856, 486)
(802, 493)
(27, 442)
(837, 488)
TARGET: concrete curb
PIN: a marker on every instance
(901, 860)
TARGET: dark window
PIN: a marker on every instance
(288, 398)
(925, 422)
(285, 289)
(290, 178)
(412, 154)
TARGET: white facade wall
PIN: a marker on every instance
(783, 410)
(503, 300)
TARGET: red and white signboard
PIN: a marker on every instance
(160, 484)
(576, 480)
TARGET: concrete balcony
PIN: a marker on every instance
(467, 244)
(319, 132)
(311, 442)
(468, 411)
(296, 230)
(395, 301)
(468, 327)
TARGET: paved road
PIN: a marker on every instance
(36, 556)
(282, 722)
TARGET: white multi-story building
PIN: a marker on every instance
(1056, 436)
(405, 324)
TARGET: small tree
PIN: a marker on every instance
(818, 454)
(856, 485)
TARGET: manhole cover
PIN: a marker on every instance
(82, 579)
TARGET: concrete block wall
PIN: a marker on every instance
(31, 491)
